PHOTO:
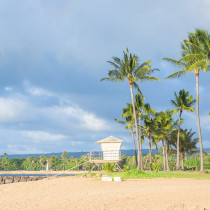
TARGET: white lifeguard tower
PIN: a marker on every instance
(110, 152)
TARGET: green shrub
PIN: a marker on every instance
(156, 167)
(126, 167)
(110, 167)
(192, 162)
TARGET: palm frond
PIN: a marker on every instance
(111, 79)
(192, 44)
(177, 63)
(144, 64)
(138, 89)
(113, 64)
(174, 103)
(176, 75)
(143, 71)
(204, 37)
(191, 58)
(120, 121)
(149, 78)
(198, 65)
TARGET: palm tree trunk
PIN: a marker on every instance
(140, 144)
(137, 133)
(198, 119)
(177, 144)
(167, 164)
(164, 157)
(134, 143)
(182, 160)
(150, 153)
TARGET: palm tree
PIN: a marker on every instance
(149, 127)
(50, 161)
(187, 143)
(195, 57)
(29, 160)
(64, 156)
(139, 103)
(4, 159)
(182, 102)
(42, 161)
(167, 134)
(129, 122)
(163, 126)
(4, 156)
(129, 69)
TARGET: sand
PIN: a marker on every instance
(89, 193)
(42, 172)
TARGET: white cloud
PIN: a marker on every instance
(81, 118)
(40, 136)
(12, 110)
(21, 149)
(205, 121)
(191, 119)
(39, 91)
(91, 122)
(8, 89)
(42, 92)
(20, 107)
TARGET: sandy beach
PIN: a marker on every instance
(41, 172)
(88, 193)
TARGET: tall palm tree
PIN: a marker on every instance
(128, 114)
(182, 102)
(187, 143)
(139, 103)
(149, 127)
(195, 57)
(129, 122)
(129, 69)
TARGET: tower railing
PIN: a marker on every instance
(105, 156)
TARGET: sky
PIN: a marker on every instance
(53, 55)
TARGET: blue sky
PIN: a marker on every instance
(53, 55)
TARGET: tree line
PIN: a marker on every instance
(55, 163)
(39, 163)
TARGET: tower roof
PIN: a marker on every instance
(110, 139)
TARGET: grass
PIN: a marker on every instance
(136, 174)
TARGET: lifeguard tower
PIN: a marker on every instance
(110, 152)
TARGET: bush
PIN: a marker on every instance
(156, 167)
(109, 167)
(192, 162)
(126, 167)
